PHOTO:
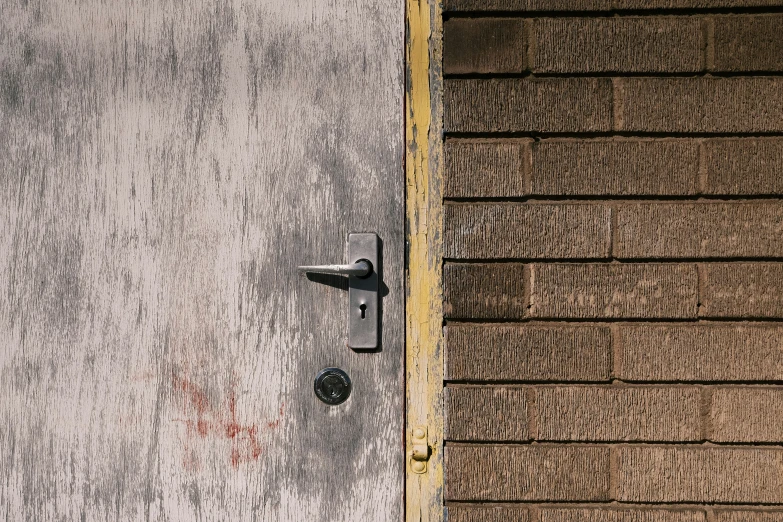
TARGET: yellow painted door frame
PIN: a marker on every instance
(424, 225)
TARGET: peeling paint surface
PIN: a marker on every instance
(424, 338)
(164, 167)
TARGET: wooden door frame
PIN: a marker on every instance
(424, 266)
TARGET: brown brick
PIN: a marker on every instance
(748, 43)
(484, 45)
(746, 290)
(487, 514)
(613, 291)
(617, 44)
(744, 166)
(528, 353)
(700, 104)
(526, 5)
(491, 291)
(520, 105)
(526, 230)
(746, 414)
(606, 167)
(621, 515)
(749, 516)
(710, 352)
(699, 474)
(597, 5)
(486, 413)
(689, 230)
(618, 413)
(485, 168)
(507, 473)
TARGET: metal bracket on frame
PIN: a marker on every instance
(420, 453)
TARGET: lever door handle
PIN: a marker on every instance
(364, 272)
(361, 268)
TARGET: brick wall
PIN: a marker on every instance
(614, 260)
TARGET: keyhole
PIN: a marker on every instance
(363, 308)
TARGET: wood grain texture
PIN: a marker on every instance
(423, 223)
(165, 168)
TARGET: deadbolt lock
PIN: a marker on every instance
(332, 386)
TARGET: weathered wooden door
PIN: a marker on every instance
(166, 166)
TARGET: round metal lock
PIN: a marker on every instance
(332, 386)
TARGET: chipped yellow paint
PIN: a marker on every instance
(424, 315)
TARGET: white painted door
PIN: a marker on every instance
(165, 167)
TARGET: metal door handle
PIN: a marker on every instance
(364, 274)
(361, 268)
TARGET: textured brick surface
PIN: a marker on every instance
(486, 413)
(712, 352)
(701, 474)
(679, 105)
(597, 5)
(742, 290)
(687, 230)
(621, 515)
(528, 353)
(491, 291)
(614, 413)
(520, 230)
(744, 166)
(486, 168)
(506, 473)
(632, 158)
(748, 43)
(544, 105)
(746, 414)
(748, 516)
(484, 45)
(488, 514)
(615, 167)
(626, 44)
(613, 291)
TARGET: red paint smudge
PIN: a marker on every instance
(190, 460)
(240, 433)
(276, 423)
(210, 422)
(196, 397)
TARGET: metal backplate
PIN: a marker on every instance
(363, 301)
